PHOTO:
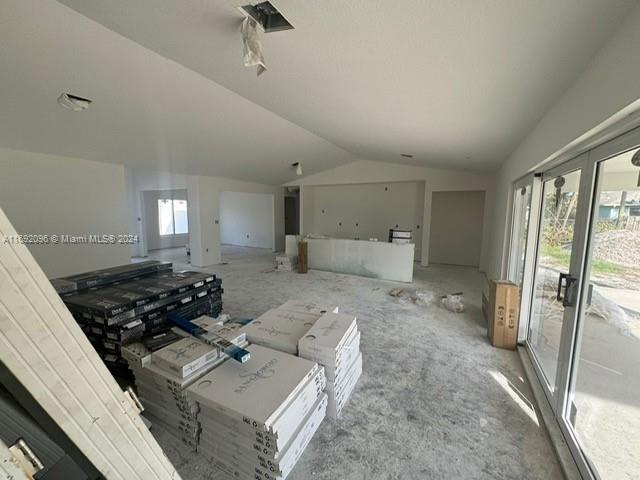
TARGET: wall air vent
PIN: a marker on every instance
(266, 16)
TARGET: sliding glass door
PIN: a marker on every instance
(603, 408)
(582, 307)
(554, 283)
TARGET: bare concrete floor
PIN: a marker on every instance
(435, 399)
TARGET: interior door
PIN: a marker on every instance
(556, 273)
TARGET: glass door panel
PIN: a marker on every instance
(603, 408)
(553, 286)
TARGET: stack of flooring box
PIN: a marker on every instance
(319, 334)
(258, 417)
(118, 306)
(334, 342)
(163, 376)
(286, 263)
(281, 328)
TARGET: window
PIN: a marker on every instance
(172, 217)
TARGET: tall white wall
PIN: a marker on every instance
(608, 90)
(368, 210)
(435, 180)
(203, 194)
(204, 214)
(47, 194)
(247, 219)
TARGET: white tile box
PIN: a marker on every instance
(348, 354)
(248, 461)
(285, 425)
(336, 404)
(185, 356)
(280, 329)
(307, 307)
(232, 388)
(327, 337)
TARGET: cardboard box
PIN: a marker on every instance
(185, 356)
(502, 314)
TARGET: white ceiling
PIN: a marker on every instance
(457, 83)
(148, 112)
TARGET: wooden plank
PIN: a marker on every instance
(43, 347)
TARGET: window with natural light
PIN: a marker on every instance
(172, 217)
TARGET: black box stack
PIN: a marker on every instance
(121, 305)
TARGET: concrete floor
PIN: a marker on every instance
(435, 399)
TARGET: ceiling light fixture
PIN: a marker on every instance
(298, 167)
(73, 102)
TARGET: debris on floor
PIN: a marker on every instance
(423, 297)
(396, 292)
(453, 302)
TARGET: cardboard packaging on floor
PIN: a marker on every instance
(502, 312)
(286, 263)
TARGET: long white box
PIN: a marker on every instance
(296, 410)
(324, 341)
(274, 378)
(185, 356)
(280, 329)
(337, 400)
(308, 307)
(241, 462)
(345, 360)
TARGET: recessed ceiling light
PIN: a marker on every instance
(406, 155)
(73, 102)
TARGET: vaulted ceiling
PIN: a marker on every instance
(455, 83)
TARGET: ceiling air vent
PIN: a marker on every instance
(267, 17)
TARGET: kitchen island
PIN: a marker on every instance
(387, 261)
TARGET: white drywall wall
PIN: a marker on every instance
(138, 182)
(53, 195)
(610, 84)
(368, 210)
(203, 194)
(456, 228)
(154, 240)
(246, 219)
(435, 180)
(204, 215)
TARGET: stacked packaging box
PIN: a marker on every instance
(281, 328)
(162, 376)
(286, 263)
(258, 417)
(118, 306)
(334, 342)
(108, 276)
